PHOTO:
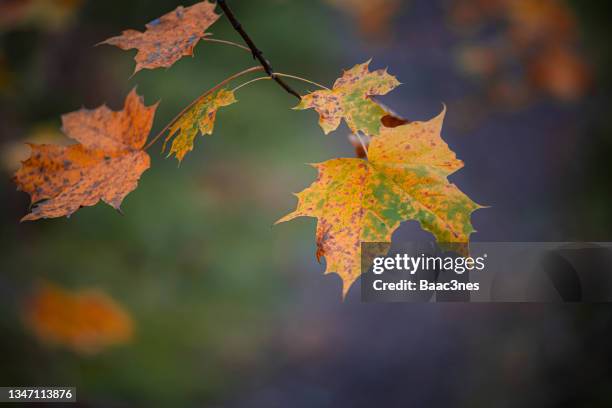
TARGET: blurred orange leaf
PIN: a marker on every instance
(561, 73)
(372, 16)
(85, 321)
(46, 14)
(540, 20)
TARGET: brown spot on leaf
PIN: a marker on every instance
(392, 121)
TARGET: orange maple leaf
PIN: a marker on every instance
(105, 165)
(169, 37)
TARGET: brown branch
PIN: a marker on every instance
(257, 54)
(199, 98)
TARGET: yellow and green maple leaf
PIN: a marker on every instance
(404, 178)
(350, 99)
(198, 118)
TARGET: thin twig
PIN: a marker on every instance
(215, 40)
(257, 54)
(303, 80)
(250, 82)
(283, 75)
(199, 98)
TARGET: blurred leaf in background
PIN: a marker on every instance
(49, 15)
(374, 18)
(520, 49)
(86, 321)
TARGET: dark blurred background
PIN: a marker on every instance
(229, 311)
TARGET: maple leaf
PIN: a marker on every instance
(105, 165)
(85, 321)
(199, 117)
(405, 178)
(169, 37)
(350, 100)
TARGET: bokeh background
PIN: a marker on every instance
(226, 310)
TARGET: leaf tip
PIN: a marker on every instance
(139, 67)
(282, 219)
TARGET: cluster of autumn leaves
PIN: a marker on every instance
(403, 175)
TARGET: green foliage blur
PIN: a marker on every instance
(195, 260)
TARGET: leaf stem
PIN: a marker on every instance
(303, 80)
(233, 44)
(250, 82)
(257, 54)
(199, 98)
(282, 75)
